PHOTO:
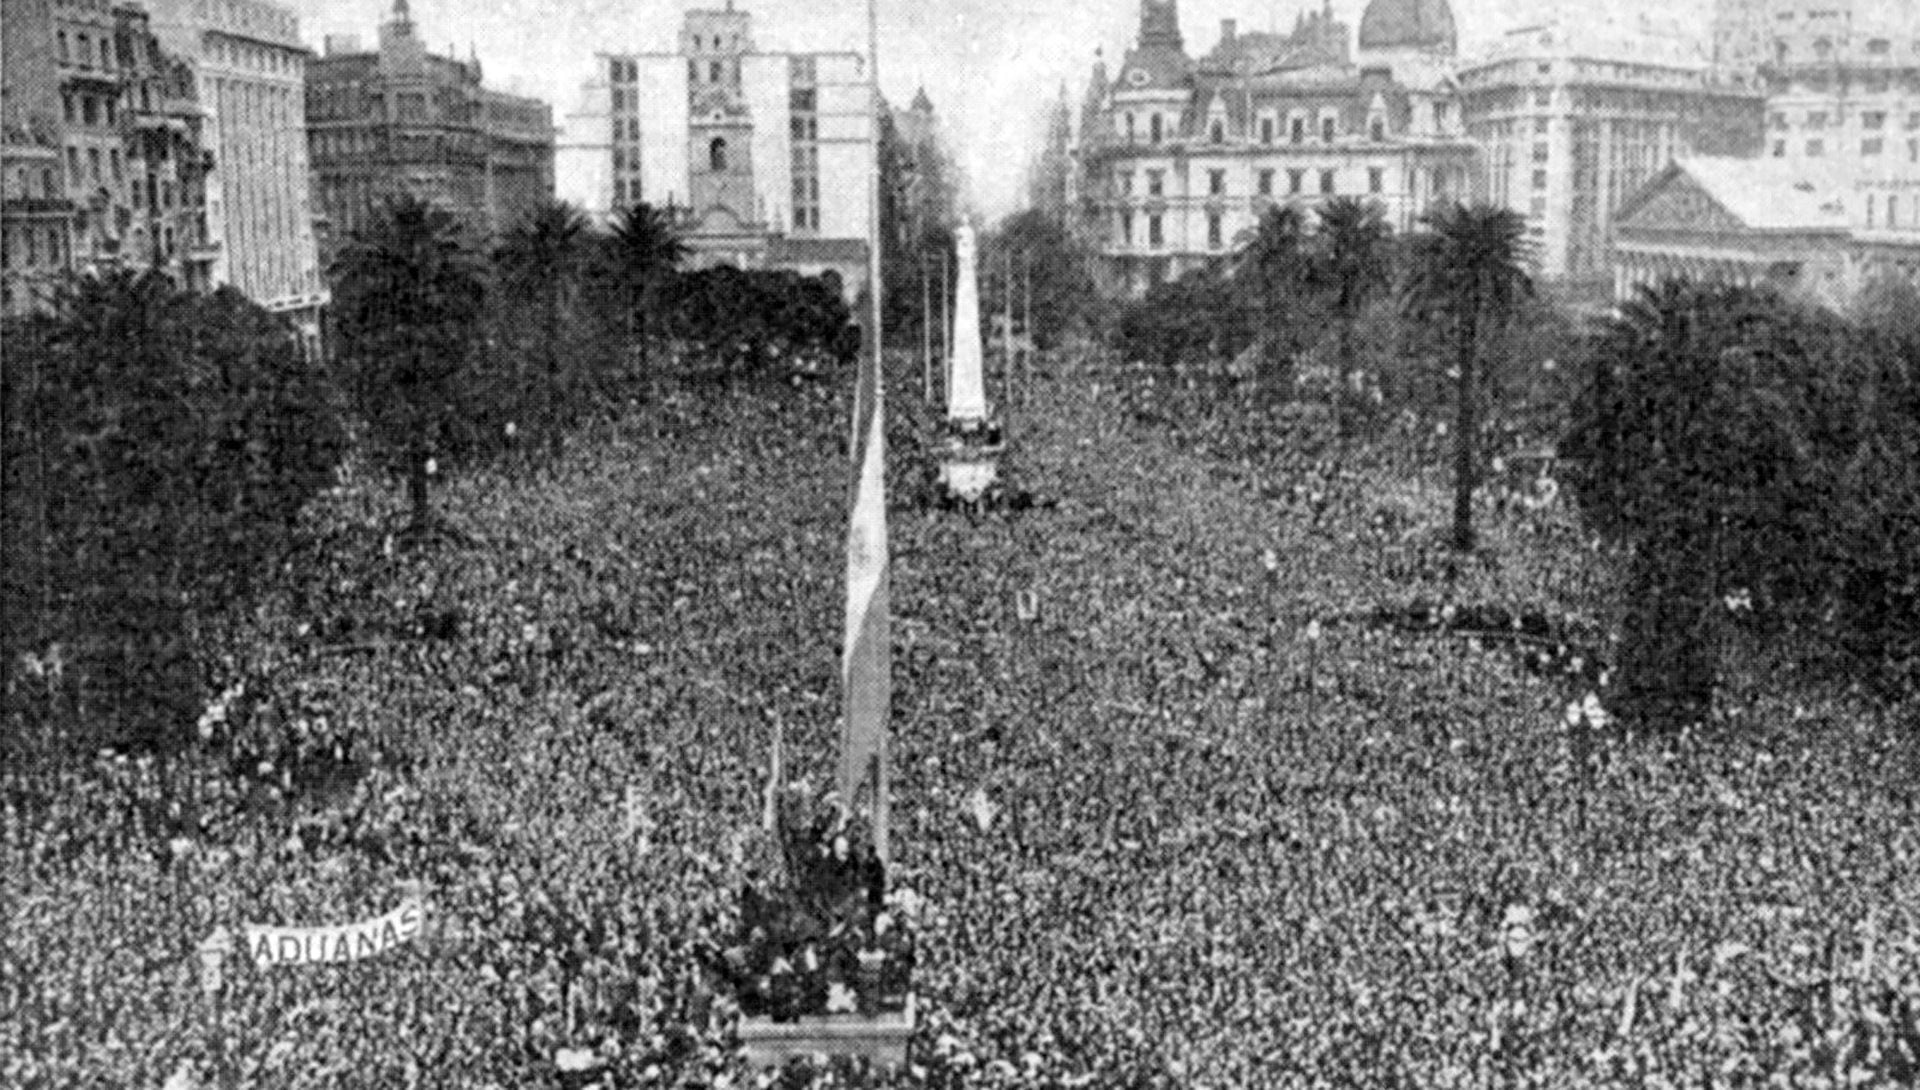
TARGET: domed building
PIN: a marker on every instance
(1408, 26)
(1180, 156)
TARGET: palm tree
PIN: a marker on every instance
(1470, 270)
(409, 294)
(646, 249)
(540, 262)
(1350, 265)
(1273, 257)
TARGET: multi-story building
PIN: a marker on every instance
(401, 119)
(764, 158)
(1571, 123)
(1179, 158)
(1843, 92)
(133, 149)
(36, 218)
(249, 70)
(1757, 222)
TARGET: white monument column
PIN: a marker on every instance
(966, 379)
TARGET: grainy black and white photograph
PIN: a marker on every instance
(974, 545)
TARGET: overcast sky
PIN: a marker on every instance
(990, 65)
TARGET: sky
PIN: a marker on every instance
(991, 67)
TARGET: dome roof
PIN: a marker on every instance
(1408, 24)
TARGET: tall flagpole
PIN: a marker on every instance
(882, 790)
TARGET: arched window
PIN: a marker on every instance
(1130, 129)
(717, 154)
(1153, 129)
(1219, 132)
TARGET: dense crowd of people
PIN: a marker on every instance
(1165, 828)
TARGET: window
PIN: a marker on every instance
(89, 110)
(1543, 98)
(1779, 149)
(1266, 130)
(1542, 126)
(1542, 153)
(717, 155)
(1154, 129)
(1326, 183)
(1893, 211)
(1156, 182)
(1539, 179)
(1126, 228)
(1130, 129)
(1298, 130)
(693, 71)
(1327, 125)
(66, 108)
(805, 100)
(716, 71)
(93, 163)
(113, 162)
(1217, 183)
(85, 50)
(1125, 180)
(1218, 132)
(1296, 181)
(1871, 202)
(1816, 148)
(1213, 230)
(1266, 183)
(1872, 147)
(1156, 235)
(64, 55)
(1376, 180)
(1377, 130)
(1817, 120)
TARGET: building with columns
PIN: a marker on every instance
(1572, 123)
(1179, 157)
(764, 158)
(1756, 222)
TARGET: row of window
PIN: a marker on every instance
(1156, 182)
(1297, 129)
(1818, 120)
(1873, 147)
(33, 246)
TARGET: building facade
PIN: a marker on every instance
(249, 71)
(1756, 222)
(400, 119)
(764, 159)
(36, 216)
(1179, 158)
(1572, 124)
(106, 167)
(1843, 94)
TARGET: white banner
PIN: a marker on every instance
(329, 945)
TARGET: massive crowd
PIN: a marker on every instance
(1168, 829)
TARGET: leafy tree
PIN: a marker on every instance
(159, 446)
(1062, 277)
(1350, 264)
(1713, 441)
(541, 262)
(410, 293)
(1470, 270)
(646, 250)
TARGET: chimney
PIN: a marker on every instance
(1229, 28)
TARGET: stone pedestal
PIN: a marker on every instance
(880, 1039)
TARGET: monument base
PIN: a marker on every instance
(880, 1039)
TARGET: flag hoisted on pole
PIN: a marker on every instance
(776, 773)
(866, 666)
